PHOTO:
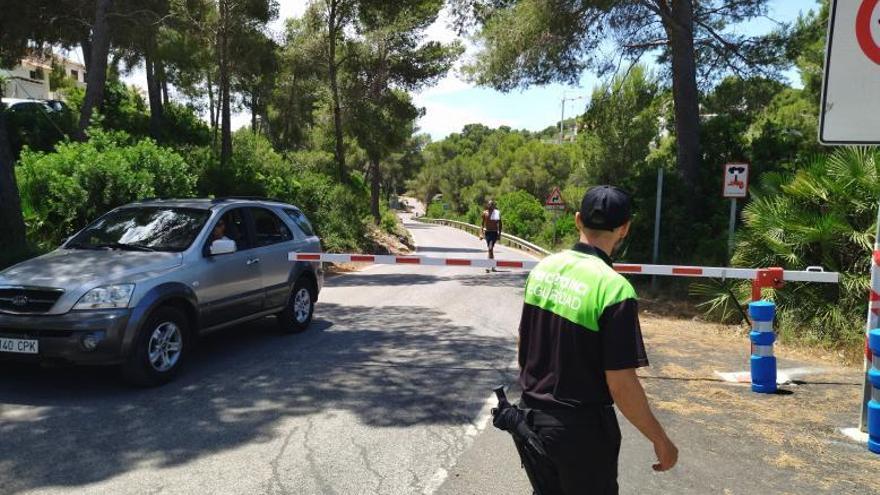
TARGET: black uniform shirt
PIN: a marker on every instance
(580, 318)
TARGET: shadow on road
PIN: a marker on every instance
(444, 249)
(418, 226)
(388, 366)
(478, 277)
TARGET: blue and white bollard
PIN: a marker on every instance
(763, 362)
(874, 405)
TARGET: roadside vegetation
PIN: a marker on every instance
(809, 206)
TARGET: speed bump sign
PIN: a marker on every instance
(851, 89)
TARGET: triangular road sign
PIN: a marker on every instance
(555, 198)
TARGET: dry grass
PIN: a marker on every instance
(786, 461)
(799, 431)
(684, 408)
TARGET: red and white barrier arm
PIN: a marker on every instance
(662, 270)
(383, 259)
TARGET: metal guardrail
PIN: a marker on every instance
(506, 239)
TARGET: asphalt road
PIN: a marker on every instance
(382, 395)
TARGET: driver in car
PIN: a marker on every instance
(219, 232)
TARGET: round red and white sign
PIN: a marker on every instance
(868, 29)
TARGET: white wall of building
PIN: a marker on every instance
(30, 79)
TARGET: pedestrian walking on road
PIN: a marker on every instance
(579, 346)
(491, 228)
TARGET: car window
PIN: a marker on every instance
(301, 221)
(143, 229)
(231, 225)
(269, 229)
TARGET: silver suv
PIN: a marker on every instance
(141, 283)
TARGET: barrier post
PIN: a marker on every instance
(873, 321)
(763, 362)
(874, 404)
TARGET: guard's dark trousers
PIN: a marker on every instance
(583, 450)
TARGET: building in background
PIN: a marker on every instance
(31, 78)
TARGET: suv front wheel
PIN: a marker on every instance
(160, 348)
(296, 316)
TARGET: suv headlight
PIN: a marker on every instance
(107, 296)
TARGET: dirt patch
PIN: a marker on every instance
(385, 243)
(796, 431)
(688, 409)
(787, 461)
(340, 268)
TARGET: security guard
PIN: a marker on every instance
(579, 346)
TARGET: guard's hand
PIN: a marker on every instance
(667, 455)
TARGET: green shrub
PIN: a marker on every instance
(123, 108)
(822, 215)
(312, 160)
(388, 221)
(62, 191)
(521, 214)
(337, 211)
(181, 126)
(439, 209)
(563, 230)
(37, 128)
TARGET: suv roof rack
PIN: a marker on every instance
(247, 198)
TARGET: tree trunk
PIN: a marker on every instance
(375, 180)
(163, 81)
(254, 114)
(153, 94)
(332, 30)
(86, 45)
(225, 114)
(684, 91)
(212, 108)
(210, 86)
(11, 221)
(97, 72)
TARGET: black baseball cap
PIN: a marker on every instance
(605, 208)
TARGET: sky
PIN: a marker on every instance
(452, 102)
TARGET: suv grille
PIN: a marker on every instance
(29, 300)
(29, 333)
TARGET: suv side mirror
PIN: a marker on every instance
(222, 246)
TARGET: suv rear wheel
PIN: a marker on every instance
(160, 348)
(296, 316)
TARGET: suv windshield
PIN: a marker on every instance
(143, 229)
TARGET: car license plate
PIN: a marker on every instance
(19, 346)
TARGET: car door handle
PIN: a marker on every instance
(253, 261)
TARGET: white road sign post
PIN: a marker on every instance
(851, 89)
(556, 204)
(735, 186)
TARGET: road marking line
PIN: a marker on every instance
(471, 430)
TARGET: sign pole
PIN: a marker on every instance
(556, 215)
(555, 202)
(873, 321)
(656, 251)
(562, 121)
(730, 229)
(848, 111)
